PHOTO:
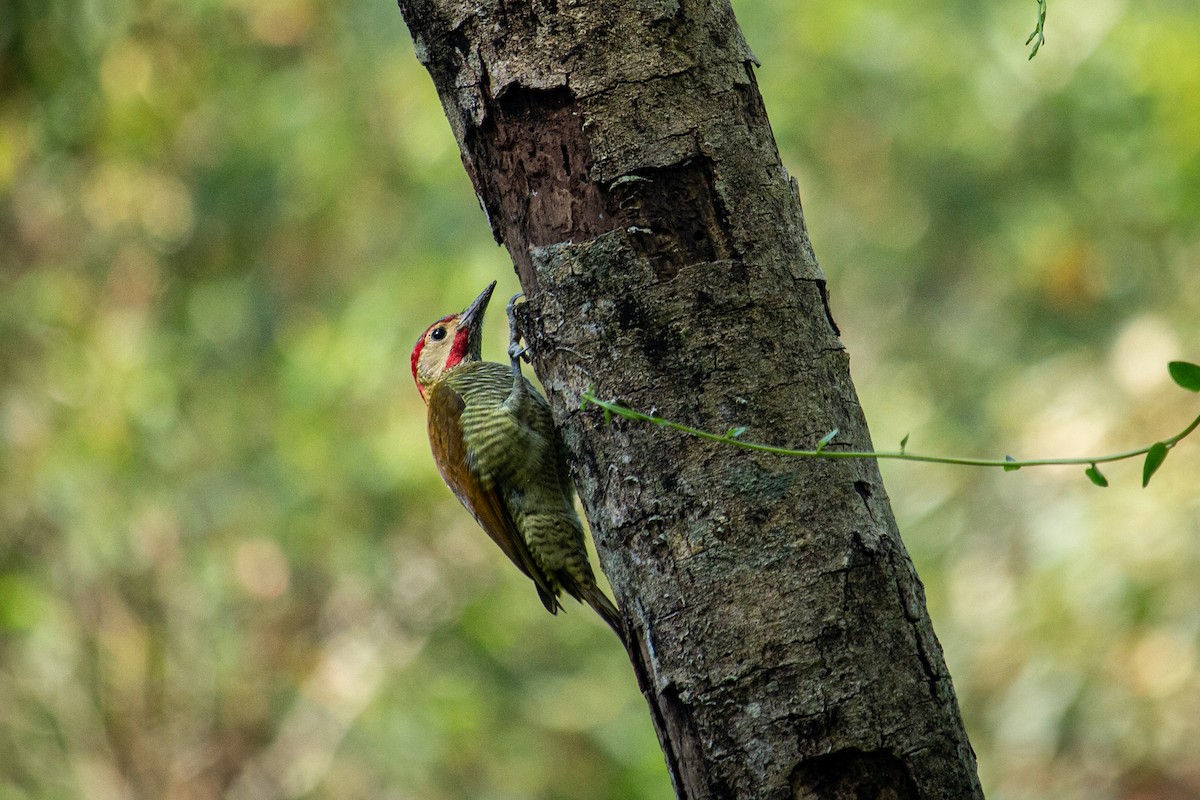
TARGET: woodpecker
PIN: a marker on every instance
(495, 444)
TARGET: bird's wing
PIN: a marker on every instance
(484, 502)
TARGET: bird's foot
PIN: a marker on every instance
(515, 351)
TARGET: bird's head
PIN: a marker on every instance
(452, 340)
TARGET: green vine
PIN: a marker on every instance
(1184, 374)
(1038, 37)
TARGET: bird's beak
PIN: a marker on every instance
(472, 315)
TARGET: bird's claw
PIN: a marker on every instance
(512, 302)
(515, 351)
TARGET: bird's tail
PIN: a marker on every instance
(598, 600)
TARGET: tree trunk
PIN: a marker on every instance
(623, 154)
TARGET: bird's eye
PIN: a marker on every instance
(438, 333)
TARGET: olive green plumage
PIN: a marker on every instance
(513, 449)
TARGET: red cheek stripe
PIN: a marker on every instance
(459, 351)
(416, 356)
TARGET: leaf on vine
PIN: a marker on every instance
(734, 433)
(1011, 467)
(1185, 374)
(1036, 45)
(1154, 460)
(826, 439)
(1095, 476)
(903, 443)
(1038, 37)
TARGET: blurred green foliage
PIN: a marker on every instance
(227, 565)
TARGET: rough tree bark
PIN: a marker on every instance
(623, 154)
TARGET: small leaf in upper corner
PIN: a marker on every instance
(1011, 467)
(1154, 460)
(903, 443)
(734, 433)
(1185, 374)
(1095, 476)
(826, 439)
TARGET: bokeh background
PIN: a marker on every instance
(227, 565)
